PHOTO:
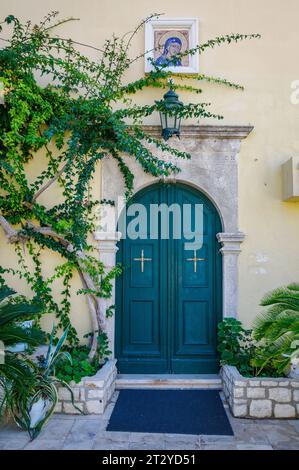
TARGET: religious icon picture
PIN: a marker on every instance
(166, 41)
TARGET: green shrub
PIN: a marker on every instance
(273, 343)
(236, 346)
(80, 366)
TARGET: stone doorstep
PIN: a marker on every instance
(260, 398)
(166, 381)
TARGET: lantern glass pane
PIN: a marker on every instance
(163, 118)
(179, 123)
(175, 124)
(171, 122)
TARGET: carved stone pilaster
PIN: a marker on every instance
(231, 248)
(107, 253)
(107, 247)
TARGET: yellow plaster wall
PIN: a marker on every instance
(266, 68)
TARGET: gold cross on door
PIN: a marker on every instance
(142, 259)
(195, 259)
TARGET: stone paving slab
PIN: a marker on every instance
(57, 429)
(82, 445)
(295, 424)
(283, 436)
(18, 444)
(88, 432)
(44, 444)
(240, 446)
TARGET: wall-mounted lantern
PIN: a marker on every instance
(170, 121)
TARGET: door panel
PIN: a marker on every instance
(169, 299)
(195, 324)
(142, 323)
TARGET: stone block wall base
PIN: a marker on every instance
(92, 394)
(260, 397)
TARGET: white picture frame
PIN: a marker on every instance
(179, 33)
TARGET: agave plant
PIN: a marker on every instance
(29, 389)
(15, 368)
(33, 403)
(277, 328)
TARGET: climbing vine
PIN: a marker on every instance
(73, 120)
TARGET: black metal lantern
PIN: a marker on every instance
(170, 121)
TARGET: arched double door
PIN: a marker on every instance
(169, 298)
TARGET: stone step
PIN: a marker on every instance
(166, 381)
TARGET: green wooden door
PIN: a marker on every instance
(169, 304)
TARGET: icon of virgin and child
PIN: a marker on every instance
(172, 47)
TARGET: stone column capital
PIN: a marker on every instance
(107, 236)
(231, 242)
(107, 241)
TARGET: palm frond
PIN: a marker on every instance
(12, 334)
(278, 327)
(5, 291)
(11, 312)
(294, 286)
(282, 295)
(265, 320)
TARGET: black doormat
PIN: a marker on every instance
(170, 411)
